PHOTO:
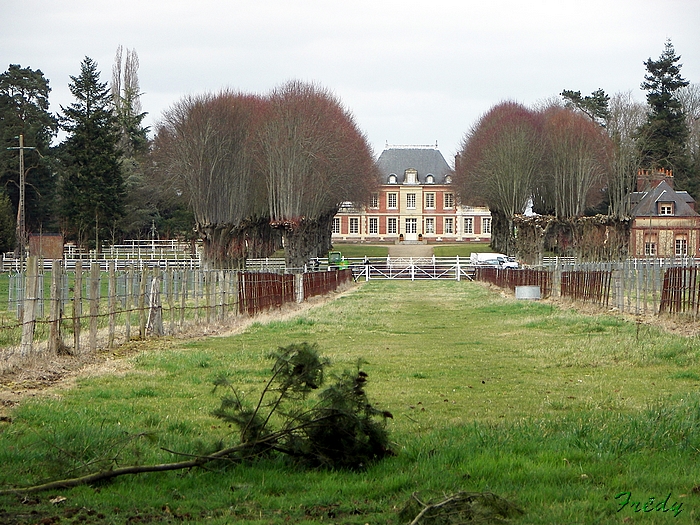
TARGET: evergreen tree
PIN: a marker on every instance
(92, 187)
(664, 135)
(24, 104)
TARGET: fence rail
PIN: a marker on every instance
(637, 286)
(86, 308)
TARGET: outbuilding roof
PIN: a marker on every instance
(646, 203)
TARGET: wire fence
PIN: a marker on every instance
(636, 286)
(86, 308)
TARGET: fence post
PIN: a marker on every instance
(30, 298)
(299, 287)
(55, 316)
(183, 296)
(77, 305)
(128, 300)
(112, 301)
(155, 310)
(94, 303)
(170, 276)
(142, 302)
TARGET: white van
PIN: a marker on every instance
(496, 260)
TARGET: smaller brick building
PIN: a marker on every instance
(665, 223)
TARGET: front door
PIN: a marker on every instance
(411, 229)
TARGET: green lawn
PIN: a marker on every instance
(557, 411)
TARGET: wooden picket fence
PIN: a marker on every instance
(636, 286)
(83, 309)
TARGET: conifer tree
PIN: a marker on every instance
(92, 186)
(24, 110)
(664, 135)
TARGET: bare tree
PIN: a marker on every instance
(208, 144)
(314, 158)
(625, 118)
(689, 97)
(126, 97)
(499, 164)
(576, 161)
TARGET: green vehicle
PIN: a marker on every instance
(336, 261)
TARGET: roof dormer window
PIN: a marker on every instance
(665, 208)
(392, 178)
(411, 176)
(430, 179)
(448, 179)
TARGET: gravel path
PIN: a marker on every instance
(410, 250)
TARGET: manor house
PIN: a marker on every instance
(415, 202)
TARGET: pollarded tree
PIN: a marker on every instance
(24, 110)
(314, 158)
(577, 153)
(206, 145)
(664, 135)
(92, 187)
(500, 160)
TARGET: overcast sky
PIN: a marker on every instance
(411, 72)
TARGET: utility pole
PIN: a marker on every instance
(21, 226)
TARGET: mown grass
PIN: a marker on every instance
(557, 411)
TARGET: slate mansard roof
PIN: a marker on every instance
(645, 203)
(426, 161)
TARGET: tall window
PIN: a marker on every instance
(336, 225)
(354, 225)
(468, 225)
(430, 200)
(430, 225)
(681, 246)
(650, 245)
(486, 225)
(391, 201)
(374, 201)
(449, 225)
(411, 201)
(374, 225)
(449, 200)
(391, 225)
(411, 225)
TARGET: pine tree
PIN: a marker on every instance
(664, 135)
(92, 185)
(24, 105)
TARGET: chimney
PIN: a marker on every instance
(648, 179)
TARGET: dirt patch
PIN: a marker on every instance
(47, 376)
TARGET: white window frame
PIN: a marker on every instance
(469, 225)
(392, 200)
(681, 246)
(411, 225)
(374, 200)
(392, 225)
(354, 226)
(486, 225)
(448, 200)
(430, 200)
(430, 225)
(666, 208)
(449, 225)
(336, 225)
(374, 225)
(410, 201)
